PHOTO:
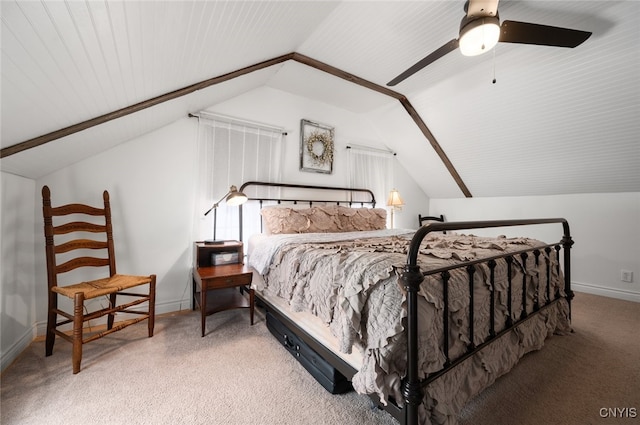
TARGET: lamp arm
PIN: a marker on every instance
(217, 203)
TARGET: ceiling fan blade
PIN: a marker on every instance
(440, 52)
(543, 35)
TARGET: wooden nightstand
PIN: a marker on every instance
(219, 279)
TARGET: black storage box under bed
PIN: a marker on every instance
(330, 378)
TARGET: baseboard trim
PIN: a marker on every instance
(18, 347)
(39, 329)
(620, 294)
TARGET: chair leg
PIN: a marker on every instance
(52, 317)
(78, 322)
(111, 317)
(152, 304)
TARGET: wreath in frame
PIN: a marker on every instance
(316, 147)
(323, 155)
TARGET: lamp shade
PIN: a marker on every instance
(235, 198)
(394, 199)
(479, 36)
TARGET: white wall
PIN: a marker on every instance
(17, 286)
(275, 107)
(605, 228)
(151, 183)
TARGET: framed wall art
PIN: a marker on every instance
(316, 147)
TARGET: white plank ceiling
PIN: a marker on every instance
(557, 120)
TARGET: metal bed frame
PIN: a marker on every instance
(411, 277)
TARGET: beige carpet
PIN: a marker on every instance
(238, 374)
(573, 377)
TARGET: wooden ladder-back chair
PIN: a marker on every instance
(74, 254)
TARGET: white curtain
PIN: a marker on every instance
(371, 169)
(232, 152)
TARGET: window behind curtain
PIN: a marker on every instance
(231, 152)
(371, 169)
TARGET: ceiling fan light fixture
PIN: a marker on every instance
(479, 36)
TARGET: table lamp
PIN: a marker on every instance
(395, 202)
(233, 198)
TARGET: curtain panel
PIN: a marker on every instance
(231, 152)
(371, 169)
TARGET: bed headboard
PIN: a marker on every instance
(304, 194)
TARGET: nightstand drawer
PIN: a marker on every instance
(229, 281)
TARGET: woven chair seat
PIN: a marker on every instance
(100, 287)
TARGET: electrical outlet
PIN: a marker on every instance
(626, 276)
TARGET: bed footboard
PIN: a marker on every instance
(411, 278)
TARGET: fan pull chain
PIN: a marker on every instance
(494, 65)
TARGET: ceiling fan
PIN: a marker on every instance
(480, 31)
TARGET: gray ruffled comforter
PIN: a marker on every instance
(349, 281)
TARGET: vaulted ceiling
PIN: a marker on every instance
(556, 121)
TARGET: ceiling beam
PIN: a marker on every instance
(313, 63)
(398, 96)
(46, 138)
(436, 146)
